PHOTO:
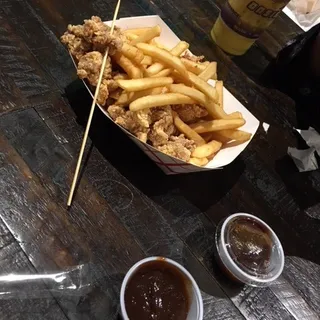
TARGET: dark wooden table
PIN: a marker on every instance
(125, 208)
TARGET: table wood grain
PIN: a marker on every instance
(125, 208)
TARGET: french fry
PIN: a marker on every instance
(219, 88)
(147, 35)
(237, 135)
(209, 72)
(216, 125)
(154, 42)
(188, 91)
(187, 131)
(178, 79)
(127, 97)
(137, 31)
(155, 69)
(199, 162)
(147, 60)
(176, 51)
(206, 150)
(233, 115)
(218, 113)
(159, 100)
(132, 53)
(133, 71)
(131, 36)
(203, 86)
(193, 67)
(216, 136)
(144, 83)
(213, 109)
(179, 48)
(165, 57)
(162, 73)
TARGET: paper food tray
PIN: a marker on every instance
(168, 164)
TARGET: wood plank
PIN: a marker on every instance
(53, 237)
(298, 304)
(279, 33)
(25, 28)
(37, 144)
(149, 229)
(304, 277)
(15, 300)
(22, 80)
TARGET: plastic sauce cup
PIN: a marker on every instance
(196, 303)
(230, 263)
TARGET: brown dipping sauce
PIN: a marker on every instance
(250, 245)
(157, 291)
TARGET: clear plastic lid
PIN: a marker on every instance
(251, 246)
(249, 249)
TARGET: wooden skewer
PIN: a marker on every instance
(85, 137)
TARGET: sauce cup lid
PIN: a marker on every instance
(239, 256)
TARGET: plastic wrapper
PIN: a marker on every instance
(307, 12)
(75, 281)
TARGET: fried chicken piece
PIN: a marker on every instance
(107, 87)
(115, 94)
(191, 57)
(77, 30)
(103, 93)
(98, 33)
(136, 122)
(116, 111)
(190, 112)
(76, 45)
(162, 125)
(178, 147)
(187, 143)
(89, 67)
(92, 35)
(159, 113)
(112, 85)
(143, 117)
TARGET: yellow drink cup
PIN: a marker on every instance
(242, 21)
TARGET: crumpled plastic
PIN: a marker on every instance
(306, 160)
(74, 281)
(307, 12)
